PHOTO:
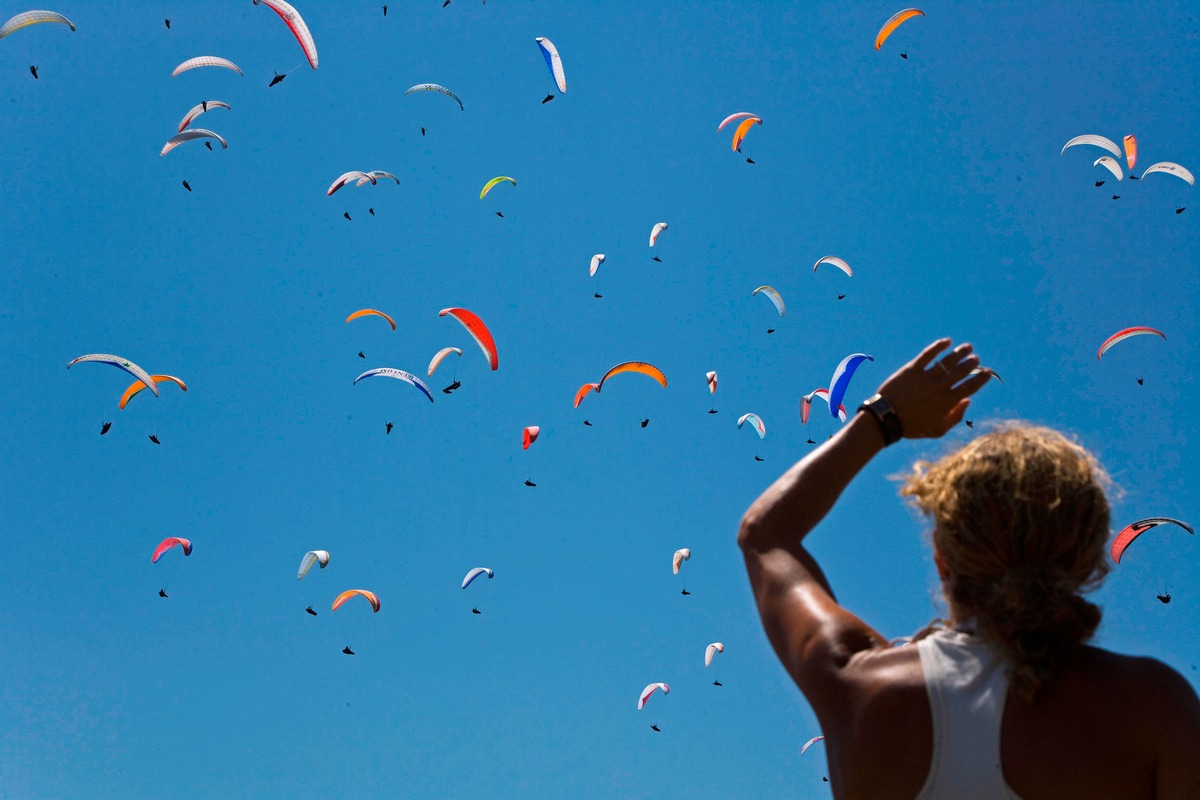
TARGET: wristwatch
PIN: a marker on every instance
(892, 432)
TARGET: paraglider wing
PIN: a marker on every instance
(658, 228)
(1124, 334)
(597, 260)
(715, 647)
(835, 261)
(806, 405)
(1112, 165)
(529, 436)
(649, 690)
(368, 312)
(346, 595)
(773, 296)
(475, 573)
(439, 356)
(312, 557)
(742, 129)
(987, 371)
(681, 555)
(553, 62)
(376, 173)
(897, 19)
(754, 420)
(487, 187)
(297, 26)
(1131, 150)
(199, 109)
(732, 117)
(435, 87)
(711, 377)
(345, 178)
(1097, 141)
(169, 542)
(137, 386)
(1136, 529)
(26, 18)
(475, 327)
(120, 363)
(207, 61)
(840, 381)
(634, 366)
(583, 391)
(810, 743)
(1171, 168)
(190, 134)
(398, 374)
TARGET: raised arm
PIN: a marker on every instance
(813, 636)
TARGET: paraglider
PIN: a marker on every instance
(163, 592)
(190, 134)
(312, 557)
(1095, 141)
(583, 392)
(772, 295)
(656, 729)
(347, 650)
(277, 79)
(1111, 164)
(27, 18)
(369, 312)
(187, 186)
(645, 422)
(370, 597)
(754, 420)
(810, 743)
(732, 117)
(1124, 334)
(658, 228)
(834, 261)
(154, 439)
(840, 381)
(529, 436)
(681, 555)
(120, 363)
(742, 129)
(398, 374)
(296, 25)
(104, 428)
(710, 651)
(388, 428)
(896, 20)
(435, 87)
(207, 61)
(137, 386)
(168, 543)
(553, 63)
(1135, 529)
(345, 178)
(440, 356)
(597, 260)
(478, 331)
(451, 387)
(311, 611)
(33, 72)
(1131, 150)
(806, 405)
(649, 690)
(487, 187)
(633, 366)
(711, 378)
(475, 573)
(1171, 168)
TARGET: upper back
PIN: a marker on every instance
(1106, 726)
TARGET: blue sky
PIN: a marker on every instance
(937, 177)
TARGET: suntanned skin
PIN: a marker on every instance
(1106, 727)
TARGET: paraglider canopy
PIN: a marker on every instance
(169, 542)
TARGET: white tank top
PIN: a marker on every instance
(967, 687)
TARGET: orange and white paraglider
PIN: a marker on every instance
(478, 331)
(1136, 529)
(370, 597)
(1125, 333)
(896, 20)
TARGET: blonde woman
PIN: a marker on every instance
(1007, 701)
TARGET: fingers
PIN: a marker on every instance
(971, 385)
(962, 369)
(956, 414)
(926, 356)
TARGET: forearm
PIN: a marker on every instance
(794, 504)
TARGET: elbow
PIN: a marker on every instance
(748, 531)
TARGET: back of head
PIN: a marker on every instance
(1020, 523)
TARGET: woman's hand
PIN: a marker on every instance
(930, 397)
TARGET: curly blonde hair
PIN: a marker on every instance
(1020, 521)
